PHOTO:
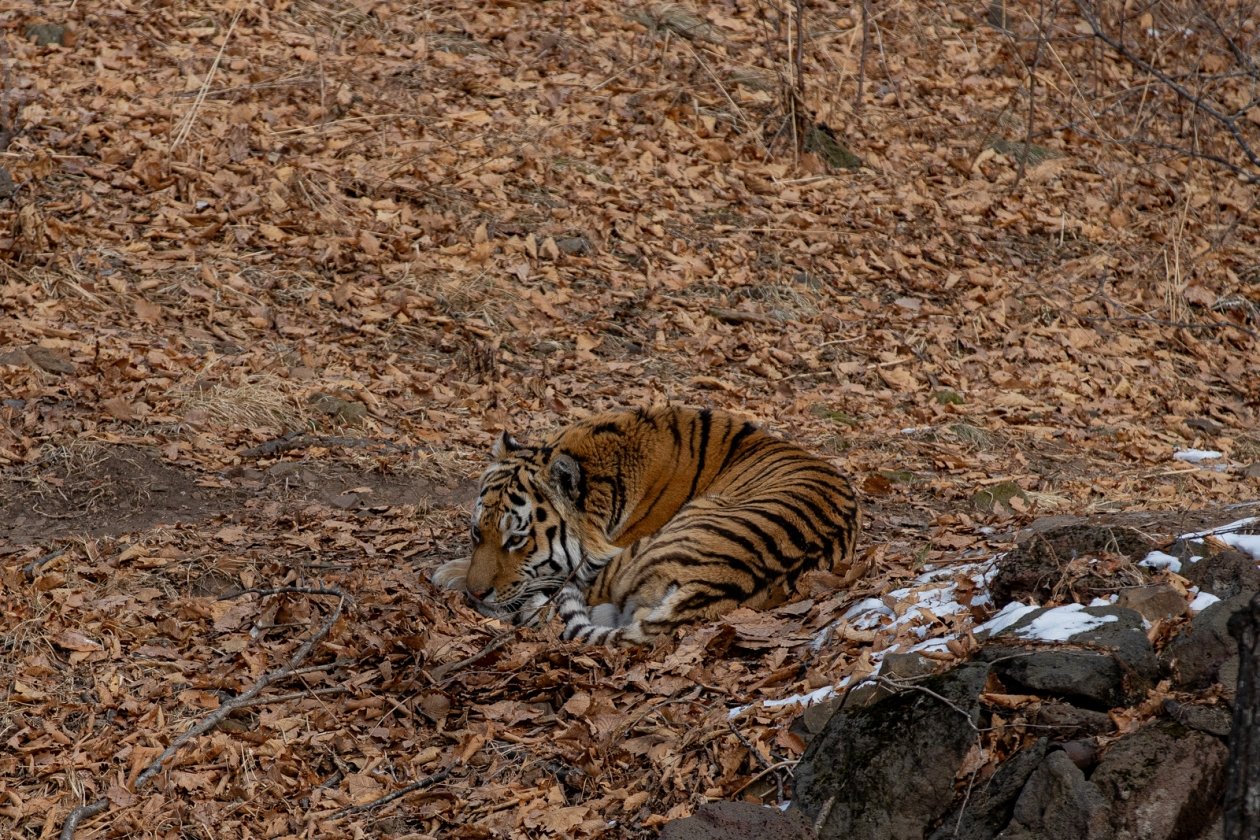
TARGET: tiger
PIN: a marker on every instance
(636, 521)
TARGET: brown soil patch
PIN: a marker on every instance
(105, 490)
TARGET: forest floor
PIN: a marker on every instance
(272, 275)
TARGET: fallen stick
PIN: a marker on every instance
(426, 782)
(240, 701)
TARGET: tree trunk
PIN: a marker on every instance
(1242, 786)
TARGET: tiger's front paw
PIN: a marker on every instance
(534, 612)
(452, 574)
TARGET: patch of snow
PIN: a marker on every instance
(808, 699)
(1249, 543)
(1195, 456)
(933, 645)
(1101, 601)
(1222, 529)
(1160, 560)
(1202, 600)
(1008, 615)
(1062, 623)
(865, 614)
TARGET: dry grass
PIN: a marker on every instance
(677, 19)
(265, 401)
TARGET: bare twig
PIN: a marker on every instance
(443, 672)
(1199, 103)
(32, 568)
(1186, 325)
(240, 701)
(299, 695)
(186, 122)
(866, 41)
(426, 782)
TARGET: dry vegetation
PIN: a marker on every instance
(273, 273)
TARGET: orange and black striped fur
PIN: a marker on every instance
(634, 522)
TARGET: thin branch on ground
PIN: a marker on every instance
(32, 568)
(426, 782)
(240, 701)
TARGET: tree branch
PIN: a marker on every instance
(240, 701)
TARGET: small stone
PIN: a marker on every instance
(576, 245)
(349, 412)
(1206, 425)
(46, 34)
(1000, 497)
(1153, 603)
(346, 501)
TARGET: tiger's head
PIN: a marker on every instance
(524, 543)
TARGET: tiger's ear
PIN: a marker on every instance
(504, 444)
(566, 475)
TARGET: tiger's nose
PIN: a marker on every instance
(480, 594)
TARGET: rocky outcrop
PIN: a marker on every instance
(886, 770)
(1088, 750)
(893, 769)
(739, 821)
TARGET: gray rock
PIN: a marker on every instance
(1035, 569)
(1083, 677)
(739, 821)
(1214, 720)
(1225, 573)
(1206, 653)
(1164, 781)
(988, 810)
(896, 666)
(1066, 722)
(45, 34)
(1117, 669)
(886, 772)
(1153, 603)
(1058, 803)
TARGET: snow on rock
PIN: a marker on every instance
(1202, 600)
(1196, 456)
(1222, 529)
(1159, 560)
(1062, 623)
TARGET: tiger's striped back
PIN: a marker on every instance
(658, 517)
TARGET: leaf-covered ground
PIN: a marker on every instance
(275, 272)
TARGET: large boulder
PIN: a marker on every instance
(739, 821)
(886, 771)
(1164, 781)
(1206, 653)
(1058, 803)
(1107, 662)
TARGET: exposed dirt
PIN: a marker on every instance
(113, 490)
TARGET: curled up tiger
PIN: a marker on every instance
(634, 522)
